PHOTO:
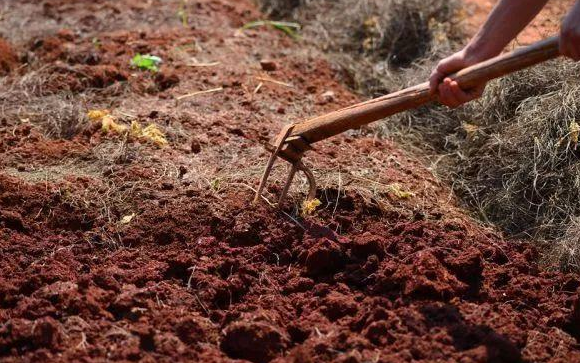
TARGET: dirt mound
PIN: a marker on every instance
(23, 146)
(397, 290)
(418, 285)
(8, 57)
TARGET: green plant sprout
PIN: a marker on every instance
(146, 62)
(288, 28)
(215, 184)
(96, 42)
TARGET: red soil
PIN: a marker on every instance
(8, 57)
(200, 282)
(202, 274)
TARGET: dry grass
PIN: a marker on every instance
(518, 164)
(374, 40)
(565, 252)
(60, 115)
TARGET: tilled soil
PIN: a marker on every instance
(117, 250)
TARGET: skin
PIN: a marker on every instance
(505, 22)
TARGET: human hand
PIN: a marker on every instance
(449, 91)
(570, 34)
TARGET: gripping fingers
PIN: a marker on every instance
(447, 95)
(460, 95)
(434, 80)
(451, 94)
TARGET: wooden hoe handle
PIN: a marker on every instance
(352, 117)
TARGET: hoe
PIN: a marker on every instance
(296, 139)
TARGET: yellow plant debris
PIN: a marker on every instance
(96, 115)
(470, 129)
(109, 123)
(128, 218)
(397, 191)
(574, 130)
(309, 206)
(152, 133)
(136, 129)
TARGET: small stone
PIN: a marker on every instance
(195, 146)
(268, 65)
(326, 97)
(182, 171)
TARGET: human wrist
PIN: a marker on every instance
(479, 50)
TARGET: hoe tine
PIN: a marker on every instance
(309, 176)
(265, 176)
(311, 180)
(288, 183)
(278, 145)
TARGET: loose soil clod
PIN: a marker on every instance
(268, 65)
(8, 57)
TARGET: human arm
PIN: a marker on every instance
(570, 34)
(504, 23)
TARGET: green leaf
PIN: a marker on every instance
(146, 62)
(288, 28)
(254, 24)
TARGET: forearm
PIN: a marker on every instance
(507, 19)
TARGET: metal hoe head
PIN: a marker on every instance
(290, 149)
